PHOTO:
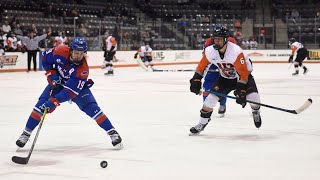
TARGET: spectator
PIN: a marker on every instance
(12, 42)
(32, 45)
(286, 13)
(75, 12)
(6, 27)
(4, 40)
(253, 44)
(182, 22)
(34, 29)
(125, 39)
(1, 39)
(238, 36)
(82, 31)
(2, 53)
(294, 14)
(18, 30)
(50, 11)
(245, 44)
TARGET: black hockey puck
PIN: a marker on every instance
(104, 164)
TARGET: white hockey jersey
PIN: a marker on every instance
(295, 47)
(111, 41)
(234, 64)
(143, 52)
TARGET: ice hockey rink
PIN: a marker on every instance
(153, 112)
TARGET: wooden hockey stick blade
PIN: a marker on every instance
(141, 64)
(304, 106)
(20, 160)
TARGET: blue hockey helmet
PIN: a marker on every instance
(79, 44)
(78, 50)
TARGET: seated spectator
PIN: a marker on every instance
(2, 53)
(294, 14)
(50, 11)
(245, 44)
(1, 38)
(11, 42)
(238, 36)
(75, 12)
(253, 44)
(6, 27)
(82, 31)
(18, 30)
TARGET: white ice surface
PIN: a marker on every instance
(153, 112)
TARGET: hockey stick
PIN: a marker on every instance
(182, 70)
(290, 66)
(141, 64)
(173, 70)
(25, 160)
(295, 111)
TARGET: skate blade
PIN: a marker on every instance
(194, 134)
(118, 146)
(221, 115)
(18, 149)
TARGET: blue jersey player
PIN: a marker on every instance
(67, 73)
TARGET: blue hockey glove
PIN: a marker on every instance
(53, 78)
(50, 105)
(241, 94)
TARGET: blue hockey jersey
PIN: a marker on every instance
(74, 78)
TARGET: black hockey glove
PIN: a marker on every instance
(195, 83)
(241, 94)
(112, 48)
(290, 59)
(106, 53)
(136, 55)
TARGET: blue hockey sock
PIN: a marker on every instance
(106, 125)
(31, 124)
(94, 111)
(223, 101)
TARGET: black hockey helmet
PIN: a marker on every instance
(221, 32)
(291, 41)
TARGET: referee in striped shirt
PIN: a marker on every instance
(31, 43)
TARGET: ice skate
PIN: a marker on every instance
(109, 73)
(198, 128)
(295, 73)
(23, 139)
(116, 139)
(305, 70)
(222, 110)
(256, 118)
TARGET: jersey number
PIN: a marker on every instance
(80, 84)
(225, 66)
